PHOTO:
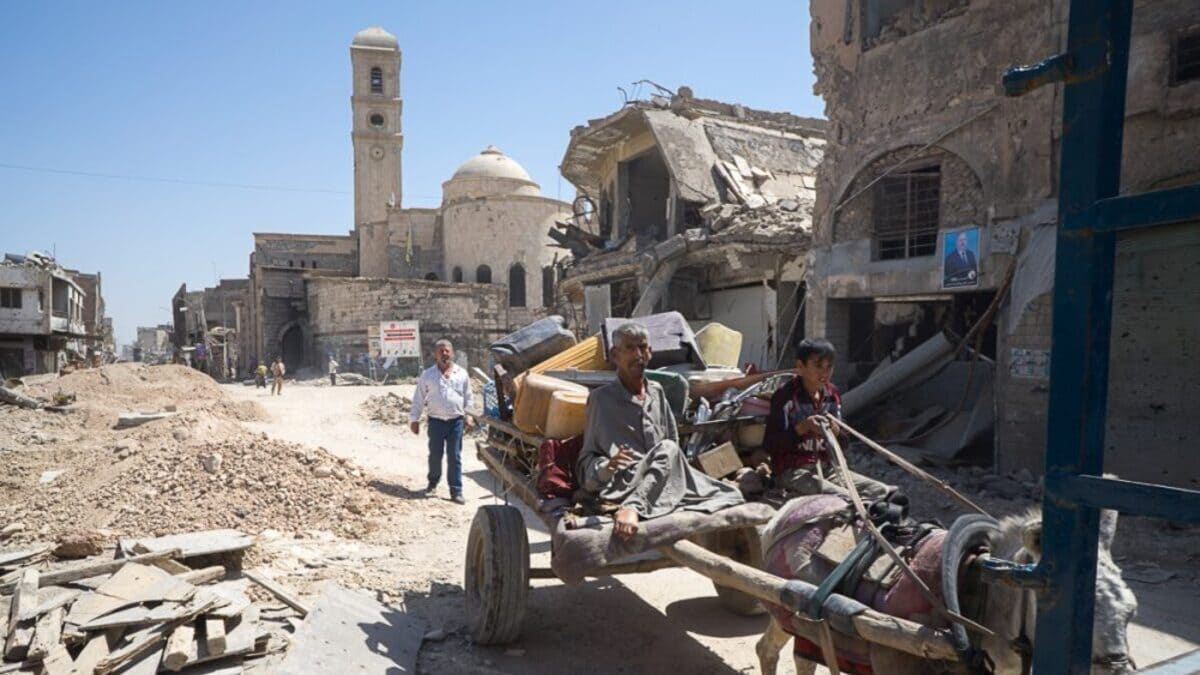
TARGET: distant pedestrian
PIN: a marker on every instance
(333, 366)
(260, 376)
(278, 370)
(444, 394)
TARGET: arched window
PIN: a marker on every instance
(516, 286)
(456, 275)
(548, 286)
(314, 264)
(431, 277)
(302, 263)
(483, 274)
(291, 263)
(377, 80)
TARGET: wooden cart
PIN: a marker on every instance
(498, 571)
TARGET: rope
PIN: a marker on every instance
(937, 605)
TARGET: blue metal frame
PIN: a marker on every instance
(1093, 71)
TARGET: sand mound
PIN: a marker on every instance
(199, 469)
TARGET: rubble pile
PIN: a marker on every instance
(199, 468)
(787, 218)
(389, 408)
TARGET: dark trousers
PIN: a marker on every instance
(445, 437)
(333, 379)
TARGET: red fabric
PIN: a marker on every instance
(556, 467)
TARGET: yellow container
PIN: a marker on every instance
(566, 415)
(720, 345)
(532, 406)
(587, 355)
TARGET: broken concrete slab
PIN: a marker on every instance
(348, 631)
(192, 544)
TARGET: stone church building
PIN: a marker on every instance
(471, 269)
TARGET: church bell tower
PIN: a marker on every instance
(376, 134)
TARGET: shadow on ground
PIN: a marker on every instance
(597, 627)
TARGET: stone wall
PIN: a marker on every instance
(499, 232)
(424, 225)
(931, 75)
(472, 316)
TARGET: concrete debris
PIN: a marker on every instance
(80, 544)
(389, 408)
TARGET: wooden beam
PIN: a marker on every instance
(870, 625)
(214, 634)
(179, 646)
(48, 633)
(94, 569)
(284, 595)
(203, 575)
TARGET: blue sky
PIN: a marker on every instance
(258, 94)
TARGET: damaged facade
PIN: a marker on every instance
(50, 317)
(695, 206)
(923, 146)
(312, 297)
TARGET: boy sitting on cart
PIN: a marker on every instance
(631, 454)
(800, 460)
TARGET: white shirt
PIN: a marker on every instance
(443, 396)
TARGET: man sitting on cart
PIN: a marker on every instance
(631, 454)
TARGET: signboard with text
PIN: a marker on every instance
(400, 339)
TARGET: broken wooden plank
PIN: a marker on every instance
(145, 664)
(139, 644)
(202, 575)
(240, 640)
(47, 634)
(234, 594)
(214, 634)
(194, 544)
(122, 618)
(25, 597)
(180, 646)
(52, 597)
(96, 649)
(284, 595)
(93, 569)
(25, 556)
(348, 632)
(57, 662)
(132, 584)
(20, 635)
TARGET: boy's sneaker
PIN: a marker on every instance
(458, 499)
(430, 489)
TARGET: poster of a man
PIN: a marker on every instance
(960, 267)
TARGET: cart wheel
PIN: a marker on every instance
(743, 546)
(497, 575)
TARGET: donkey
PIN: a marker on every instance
(800, 527)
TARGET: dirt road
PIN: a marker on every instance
(668, 621)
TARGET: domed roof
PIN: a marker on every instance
(491, 163)
(375, 37)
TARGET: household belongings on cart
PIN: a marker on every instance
(543, 377)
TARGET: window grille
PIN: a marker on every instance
(906, 213)
(377, 80)
(10, 298)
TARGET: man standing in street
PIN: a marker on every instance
(333, 366)
(278, 370)
(444, 394)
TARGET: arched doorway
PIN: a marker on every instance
(291, 348)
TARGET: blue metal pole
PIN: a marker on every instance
(1093, 120)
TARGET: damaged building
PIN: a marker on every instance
(471, 269)
(47, 318)
(695, 206)
(937, 199)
